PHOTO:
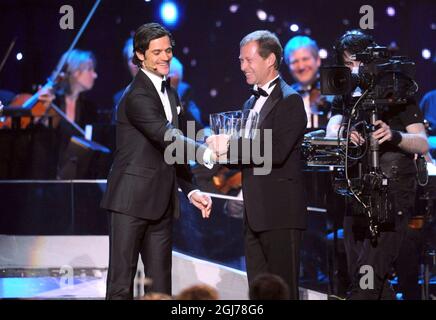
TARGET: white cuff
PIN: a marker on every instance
(207, 159)
(191, 193)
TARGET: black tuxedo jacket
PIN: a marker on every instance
(141, 183)
(276, 200)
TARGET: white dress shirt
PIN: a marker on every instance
(261, 100)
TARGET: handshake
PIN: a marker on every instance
(219, 145)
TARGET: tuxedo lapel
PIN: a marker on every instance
(173, 103)
(272, 100)
(143, 80)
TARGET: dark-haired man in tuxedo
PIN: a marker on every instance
(141, 194)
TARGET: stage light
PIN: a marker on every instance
(271, 18)
(323, 53)
(169, 13)
(390, 11)
(213, 93)
(185, 50)
(261, 15)
(426, 54)
(345, 22)
(19, 56)
(234, 8)
(294, 27)
(433, 26)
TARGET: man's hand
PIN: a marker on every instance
(356, 138)
(203, 202)
(383, 133)
(219, 144)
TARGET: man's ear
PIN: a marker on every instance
(140, 56)
(271, 59)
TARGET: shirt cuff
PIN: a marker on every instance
(207, 159)
(191, 193)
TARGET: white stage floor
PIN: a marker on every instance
(75, 267)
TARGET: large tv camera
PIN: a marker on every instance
(388, 79)
(385, 81)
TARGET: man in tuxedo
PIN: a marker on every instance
(275, 205)
(142, 195)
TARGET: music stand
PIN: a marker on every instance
(78, 157)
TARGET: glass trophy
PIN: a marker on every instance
(236, 124)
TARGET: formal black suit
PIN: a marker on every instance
(275, 204)
(142, 189)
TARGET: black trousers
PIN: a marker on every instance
(131, 236)
(362, 253)
(276, 252)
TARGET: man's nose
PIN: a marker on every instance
(243, 66)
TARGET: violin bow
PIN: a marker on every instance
(8, 52)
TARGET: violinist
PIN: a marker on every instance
(79, 78)
(302, 58)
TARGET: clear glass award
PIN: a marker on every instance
(236, 124)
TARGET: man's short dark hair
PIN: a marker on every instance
(268, 43)
(146, 33)
(353, 41)
(268, 286)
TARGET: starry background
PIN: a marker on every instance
(207, 39)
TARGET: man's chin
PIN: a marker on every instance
(249, 81)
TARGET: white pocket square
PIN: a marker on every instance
(179, 109)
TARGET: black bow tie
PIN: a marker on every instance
(259, 92)
(166, 84)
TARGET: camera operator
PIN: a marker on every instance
(400, 133)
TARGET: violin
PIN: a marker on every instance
(226, 180)
(38, 104)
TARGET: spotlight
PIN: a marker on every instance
(261, 15)
(323, 53)
(390, 11)
(234, 8)
(19, 56)
(294, 27)
(169, 13)
(213, 93)
(426, 54)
